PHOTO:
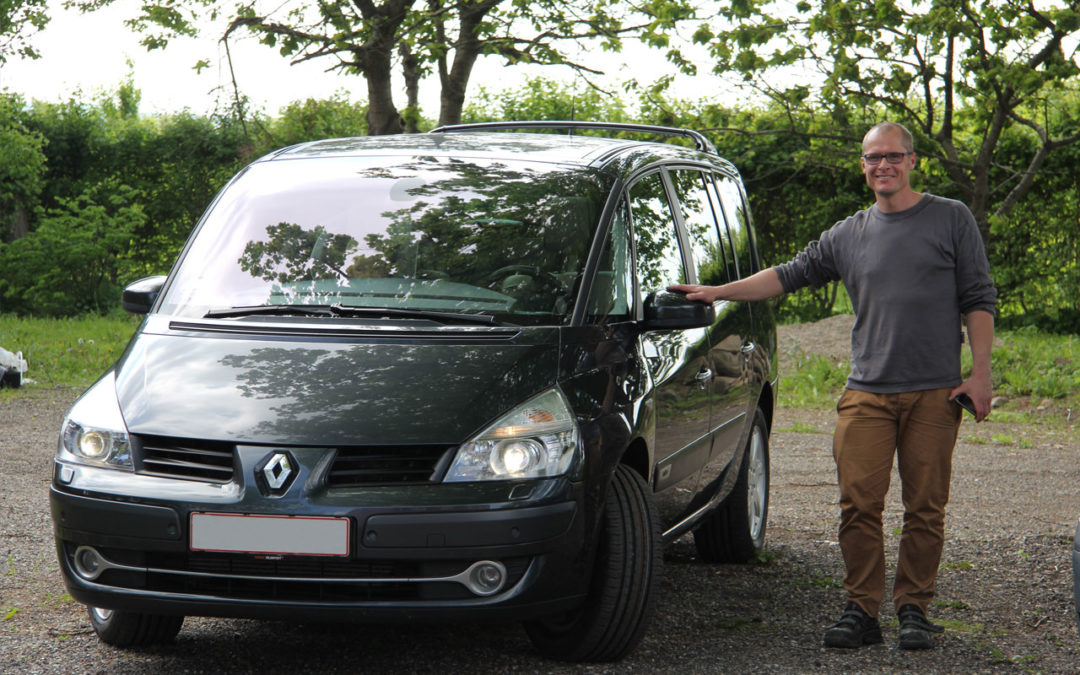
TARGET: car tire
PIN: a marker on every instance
(624, 582)
(735, 531)
(132, 629)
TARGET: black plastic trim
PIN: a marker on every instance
(457, 529)
(114, 519)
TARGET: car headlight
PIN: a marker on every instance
(94, 432)
(538, 438)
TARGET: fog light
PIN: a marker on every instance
(486, 577)
(88, 563)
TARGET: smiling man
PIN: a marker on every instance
(914, 266)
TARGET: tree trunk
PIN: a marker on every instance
(410, 67)
(455, 80)
(382, 115)
(374, 60)
(18, 224)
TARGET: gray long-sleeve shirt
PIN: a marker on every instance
(910, 276)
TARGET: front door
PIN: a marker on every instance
(677, 360)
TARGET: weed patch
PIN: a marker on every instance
(962, 626)
(801, 427)
(826, 583)
(957, 566)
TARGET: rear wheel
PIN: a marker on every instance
(735, 532)
(132, 629)
(622, 590)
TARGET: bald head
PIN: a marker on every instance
(891, 128)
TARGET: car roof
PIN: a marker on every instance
(597, 152)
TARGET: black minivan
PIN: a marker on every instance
(431, 376)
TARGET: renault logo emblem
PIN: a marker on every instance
(278, 472)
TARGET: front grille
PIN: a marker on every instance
(185, 458)
(295, 578)
(388, 465)
(354, 466)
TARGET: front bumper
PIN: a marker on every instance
(403, 562)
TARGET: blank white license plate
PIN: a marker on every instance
(272, 535)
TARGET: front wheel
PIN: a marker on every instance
(132, 629)
(735, 531)
(622, 590)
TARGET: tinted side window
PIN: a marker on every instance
(697, 211)
(738, 223)
(614, 283)
(659, 260)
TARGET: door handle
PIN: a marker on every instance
(703, 377)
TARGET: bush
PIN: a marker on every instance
(72, 263)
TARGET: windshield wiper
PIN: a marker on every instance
(397, 312)
(340, 310)
(276, 310)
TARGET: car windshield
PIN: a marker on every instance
(425, 234)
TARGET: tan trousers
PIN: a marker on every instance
(920, 428)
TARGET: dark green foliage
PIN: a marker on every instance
(128, 188)
(22, 169)
(311, 120)
(71, 263)
(543, 99)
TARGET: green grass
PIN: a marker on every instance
(814, 382)
(1025, 363)
(957, 566)
(66, 352)
(1039, 365)
(826, 582)
(962, 626)
(802, 428)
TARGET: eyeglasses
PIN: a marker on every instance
(874, 158)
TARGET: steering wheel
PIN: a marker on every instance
(532, 271)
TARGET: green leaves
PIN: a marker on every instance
(999, 64)
(19, 21)
(70, 264)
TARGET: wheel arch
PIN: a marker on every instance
(767, 403)
(637, 458)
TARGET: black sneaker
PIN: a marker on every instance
(854, 629)
(915, 628)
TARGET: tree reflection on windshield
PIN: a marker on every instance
(292, 253)
(519, 234)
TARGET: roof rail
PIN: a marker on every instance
(703, 144)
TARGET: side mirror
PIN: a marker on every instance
(139, 296)
(668, 310)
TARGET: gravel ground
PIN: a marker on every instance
(1004, 590)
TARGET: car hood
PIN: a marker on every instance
(318, 392)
